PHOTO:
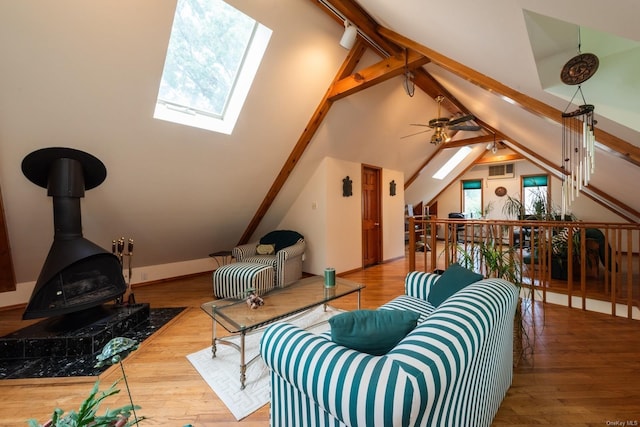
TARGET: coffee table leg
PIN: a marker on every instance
(358, 299)
(213, 338)
(243, 366)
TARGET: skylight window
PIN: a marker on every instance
(213, 55)
(452, 163)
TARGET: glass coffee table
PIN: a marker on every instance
(238, 318)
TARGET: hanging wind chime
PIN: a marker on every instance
(578, 129)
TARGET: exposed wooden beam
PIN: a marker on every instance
(428, 84)
(416, 174)
(488, 158)
(482, 139)
(377, 73)
(450, 144)
(348, 66)
(458, 177)
(611, 203)
(623, 148)
(355, 14)
(594, 193)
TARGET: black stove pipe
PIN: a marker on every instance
(77, 274)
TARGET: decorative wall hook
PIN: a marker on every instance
(346, 187)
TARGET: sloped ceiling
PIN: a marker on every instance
(85, 75)
(509, 42)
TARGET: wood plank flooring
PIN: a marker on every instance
(585, 370)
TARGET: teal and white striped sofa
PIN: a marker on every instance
(453, 369)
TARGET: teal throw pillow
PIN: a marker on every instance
(452, 280)
(372, 331)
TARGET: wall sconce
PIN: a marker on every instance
(392, 188)
(349, 37)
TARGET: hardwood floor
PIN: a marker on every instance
(585, 370)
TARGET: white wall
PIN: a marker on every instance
(392, 215)
(583, 208)
(332, 224)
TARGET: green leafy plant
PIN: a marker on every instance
(113, 352)
(493, 259)
(87, 413)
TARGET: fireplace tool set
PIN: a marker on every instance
(117, 248)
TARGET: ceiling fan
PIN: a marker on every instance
(441, 125)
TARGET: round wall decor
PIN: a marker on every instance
(501, 191)
(579, 69)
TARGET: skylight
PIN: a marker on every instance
(452, 163)
(213, 55)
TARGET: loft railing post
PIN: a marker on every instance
(412, 244)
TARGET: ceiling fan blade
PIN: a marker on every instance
(414, 134)
(461, 119)
(465, 127)
(419, 124)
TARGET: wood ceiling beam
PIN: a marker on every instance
(429, 85)
(415, 176)
(355, 14)
(377, 73)
(492, 158)
(621, 147)
(594, 193)
(450, 144)
(348, 66)
(458, 177)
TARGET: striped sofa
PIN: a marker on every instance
(453, 369)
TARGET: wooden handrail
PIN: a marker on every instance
(603, 265)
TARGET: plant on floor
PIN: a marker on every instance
(493, 259)
(114, 352)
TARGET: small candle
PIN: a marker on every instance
(329, 277)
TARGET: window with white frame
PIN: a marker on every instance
(213, 55)
(535, 194)
(472, 198)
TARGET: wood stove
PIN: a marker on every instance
(77, 274)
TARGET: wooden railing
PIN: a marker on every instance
(603, 266)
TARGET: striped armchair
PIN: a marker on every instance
(453, 369)
(286, 260)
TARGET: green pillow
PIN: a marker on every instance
(452, 280)
(372, 331)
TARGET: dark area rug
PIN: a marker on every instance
(82, 365)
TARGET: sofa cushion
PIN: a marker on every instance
(281, 238)
(372, 331)
(452, 280)
(405, 302)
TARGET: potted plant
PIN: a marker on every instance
(493, 259)
(114, 352)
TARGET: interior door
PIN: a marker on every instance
(371, 216)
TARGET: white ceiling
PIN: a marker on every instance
(85, 75)
(525, 43)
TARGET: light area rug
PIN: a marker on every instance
(222, 373)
